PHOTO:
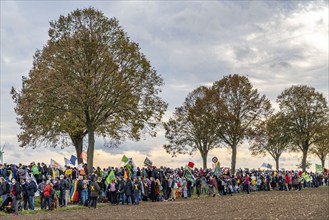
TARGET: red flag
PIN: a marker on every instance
(325, 170)
(83, 155)
(190, 164)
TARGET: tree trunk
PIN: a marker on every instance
(277, 163)
(90, 152)
(77, 141)
(323, 159)
(233, 162)
(204, 159)
(304, 160)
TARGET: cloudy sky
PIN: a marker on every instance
(190, 43)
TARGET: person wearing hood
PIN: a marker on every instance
(94, 190)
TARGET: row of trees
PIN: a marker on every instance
(232, 111)
(91, 79)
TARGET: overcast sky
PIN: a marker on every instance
(190, 43)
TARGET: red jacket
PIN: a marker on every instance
(46, 191)
(287, 179)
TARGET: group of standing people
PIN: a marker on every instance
(59, 187)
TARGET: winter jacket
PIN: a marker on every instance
(94, 189)
(31, 188)
(47, 190)
(129, 188)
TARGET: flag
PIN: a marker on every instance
(67, 161)
(133, 165)
(190, 164)
(125, 175)
(217, 170)
(306, 177)
(73, 159)
(147, 162)
(129, 168)
(267, 165)
(318, 168)
(188, 174)
(110, 177)
(124, 159)
(325, 170)
(83, 155)
(54, 164)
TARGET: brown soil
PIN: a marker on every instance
(306, 204)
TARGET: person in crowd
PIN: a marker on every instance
(47, 195)
(16, 194)
(112, 192)
(211, 183)
(198, 183)
(129, 192)
(63, 188)
(26, 201)
(121, 191)
(137, 190)
(41, 188)
(94, 191)
(4, 189)
(31, 188)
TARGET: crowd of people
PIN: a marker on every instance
(21, 184)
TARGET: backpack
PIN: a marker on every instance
(52, 191)
(7, 188)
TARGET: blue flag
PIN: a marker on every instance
(73, 159)
(67, 161)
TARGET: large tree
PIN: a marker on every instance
(270, 138)
(94, 75)
(305, 111)
(192, 127)
(239, 111)
(321, 145)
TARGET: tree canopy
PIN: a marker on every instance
(192, 126)
(270, 139)
(305, 112)
(92, 77)
(240, 109)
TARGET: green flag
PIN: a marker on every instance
(129, 168)
(318, 168)
(188, 174)
(124, 159)
(110, 177)
(217, 170)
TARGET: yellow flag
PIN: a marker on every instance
(125, 175)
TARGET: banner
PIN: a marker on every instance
(318, 168)
(147, 162)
